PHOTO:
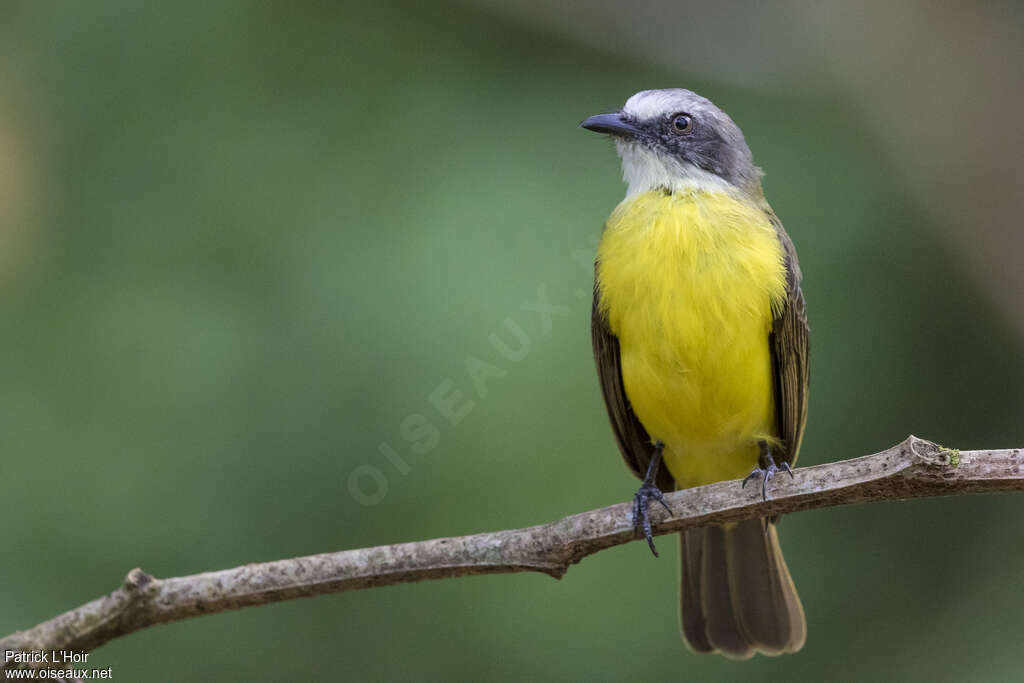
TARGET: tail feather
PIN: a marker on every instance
(737, 595)
(691, 546)
(724, 631)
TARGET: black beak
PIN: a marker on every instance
(611, 124)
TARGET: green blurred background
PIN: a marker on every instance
(241, 243)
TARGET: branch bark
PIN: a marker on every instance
(914, 468)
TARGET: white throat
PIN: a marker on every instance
(645, 169)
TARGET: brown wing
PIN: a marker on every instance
(634, 442)
(790, 345)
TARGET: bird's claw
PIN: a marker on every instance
(642, 500)
(641, 517)
(767, 468)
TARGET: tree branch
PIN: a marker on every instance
(912, 469)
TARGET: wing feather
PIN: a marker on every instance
(790, 348)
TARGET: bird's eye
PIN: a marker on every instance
(682, 123)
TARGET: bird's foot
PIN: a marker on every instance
(642, 500)
(767, 469)
(641, 517)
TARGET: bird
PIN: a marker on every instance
(701, 342)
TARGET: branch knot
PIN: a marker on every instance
(137, 581)
(930, 454)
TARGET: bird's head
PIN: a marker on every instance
(675, 140)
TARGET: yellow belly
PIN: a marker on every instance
(688, 283)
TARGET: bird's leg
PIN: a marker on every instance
(643, 496)
(767, 468)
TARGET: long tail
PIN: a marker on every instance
(737, 596)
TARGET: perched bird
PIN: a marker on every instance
(701, 342)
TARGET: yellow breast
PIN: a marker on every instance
(688, 282)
